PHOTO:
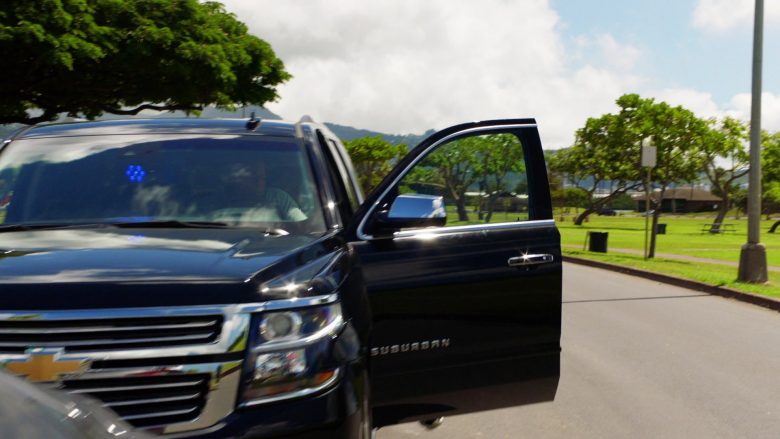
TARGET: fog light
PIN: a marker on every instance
(281, 325)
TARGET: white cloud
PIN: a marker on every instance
(604, 49)
(740, 105)
(701, 103)
(402, 66)
(723, 15)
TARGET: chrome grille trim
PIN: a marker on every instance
(138, 387)
(81, 334)
(151, 400)
(159, 414)
(196, 403)
(106, 328)
(99, 342)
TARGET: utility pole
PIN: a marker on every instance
(752, 258)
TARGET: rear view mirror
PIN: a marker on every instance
(413, 210)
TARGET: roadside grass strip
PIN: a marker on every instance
(712, 274)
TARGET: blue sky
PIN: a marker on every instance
(404, 66)
(675, 53)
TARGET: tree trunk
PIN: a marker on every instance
(489, 214)
(723, 209)
(653, 228)
(581, 217)
(463, 214)
(774, 226)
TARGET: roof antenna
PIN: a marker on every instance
(253, 122)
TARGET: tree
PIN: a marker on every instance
(678, 136)
(499, 154)
(373, 158)
(725, 160)
(770, 173)
(87, 57)
(606, 149)
(458, 167)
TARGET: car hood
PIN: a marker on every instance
(77, 268)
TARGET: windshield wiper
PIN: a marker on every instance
(171, 224)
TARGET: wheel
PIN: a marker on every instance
(430, 424)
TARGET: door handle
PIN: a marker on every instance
(526, 260)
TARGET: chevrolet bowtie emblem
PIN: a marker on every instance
(46, 365)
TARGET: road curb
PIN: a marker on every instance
(766, 302)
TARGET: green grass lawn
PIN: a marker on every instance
(683, 236)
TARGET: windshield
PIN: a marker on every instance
(239, 181)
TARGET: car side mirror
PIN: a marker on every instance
(412, 210)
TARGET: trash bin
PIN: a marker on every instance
(598, 241)
(660, 229)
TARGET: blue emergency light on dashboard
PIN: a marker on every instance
(135, 173)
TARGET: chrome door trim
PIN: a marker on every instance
(362, 235)
(432, 232)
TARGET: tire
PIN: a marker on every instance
(430, 424)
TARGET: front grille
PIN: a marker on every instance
(108, 334)
(148, 401)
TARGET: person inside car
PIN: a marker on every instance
(270, 203)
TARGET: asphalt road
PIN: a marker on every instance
(643, 359)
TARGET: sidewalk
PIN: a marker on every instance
(687, 258)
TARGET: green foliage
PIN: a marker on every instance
(770, 156)
(770, 172)
(608, 149)
(484, 163)
(623, 202)
(456, 167)
(86, 57)
(373, 158)
(570, 197)
(725, 159)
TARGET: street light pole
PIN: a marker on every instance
(752, 258)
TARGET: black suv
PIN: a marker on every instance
(225, 278)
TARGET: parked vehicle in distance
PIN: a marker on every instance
(605, 211)
(225, 278)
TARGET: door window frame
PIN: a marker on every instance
(532, 188)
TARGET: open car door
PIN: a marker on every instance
(462, 263)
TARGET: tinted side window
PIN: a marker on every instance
(336, 174)
(482, 178)
(352, 197)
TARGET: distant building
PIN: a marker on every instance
(680, 200)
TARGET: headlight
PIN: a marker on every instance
(289, 357)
